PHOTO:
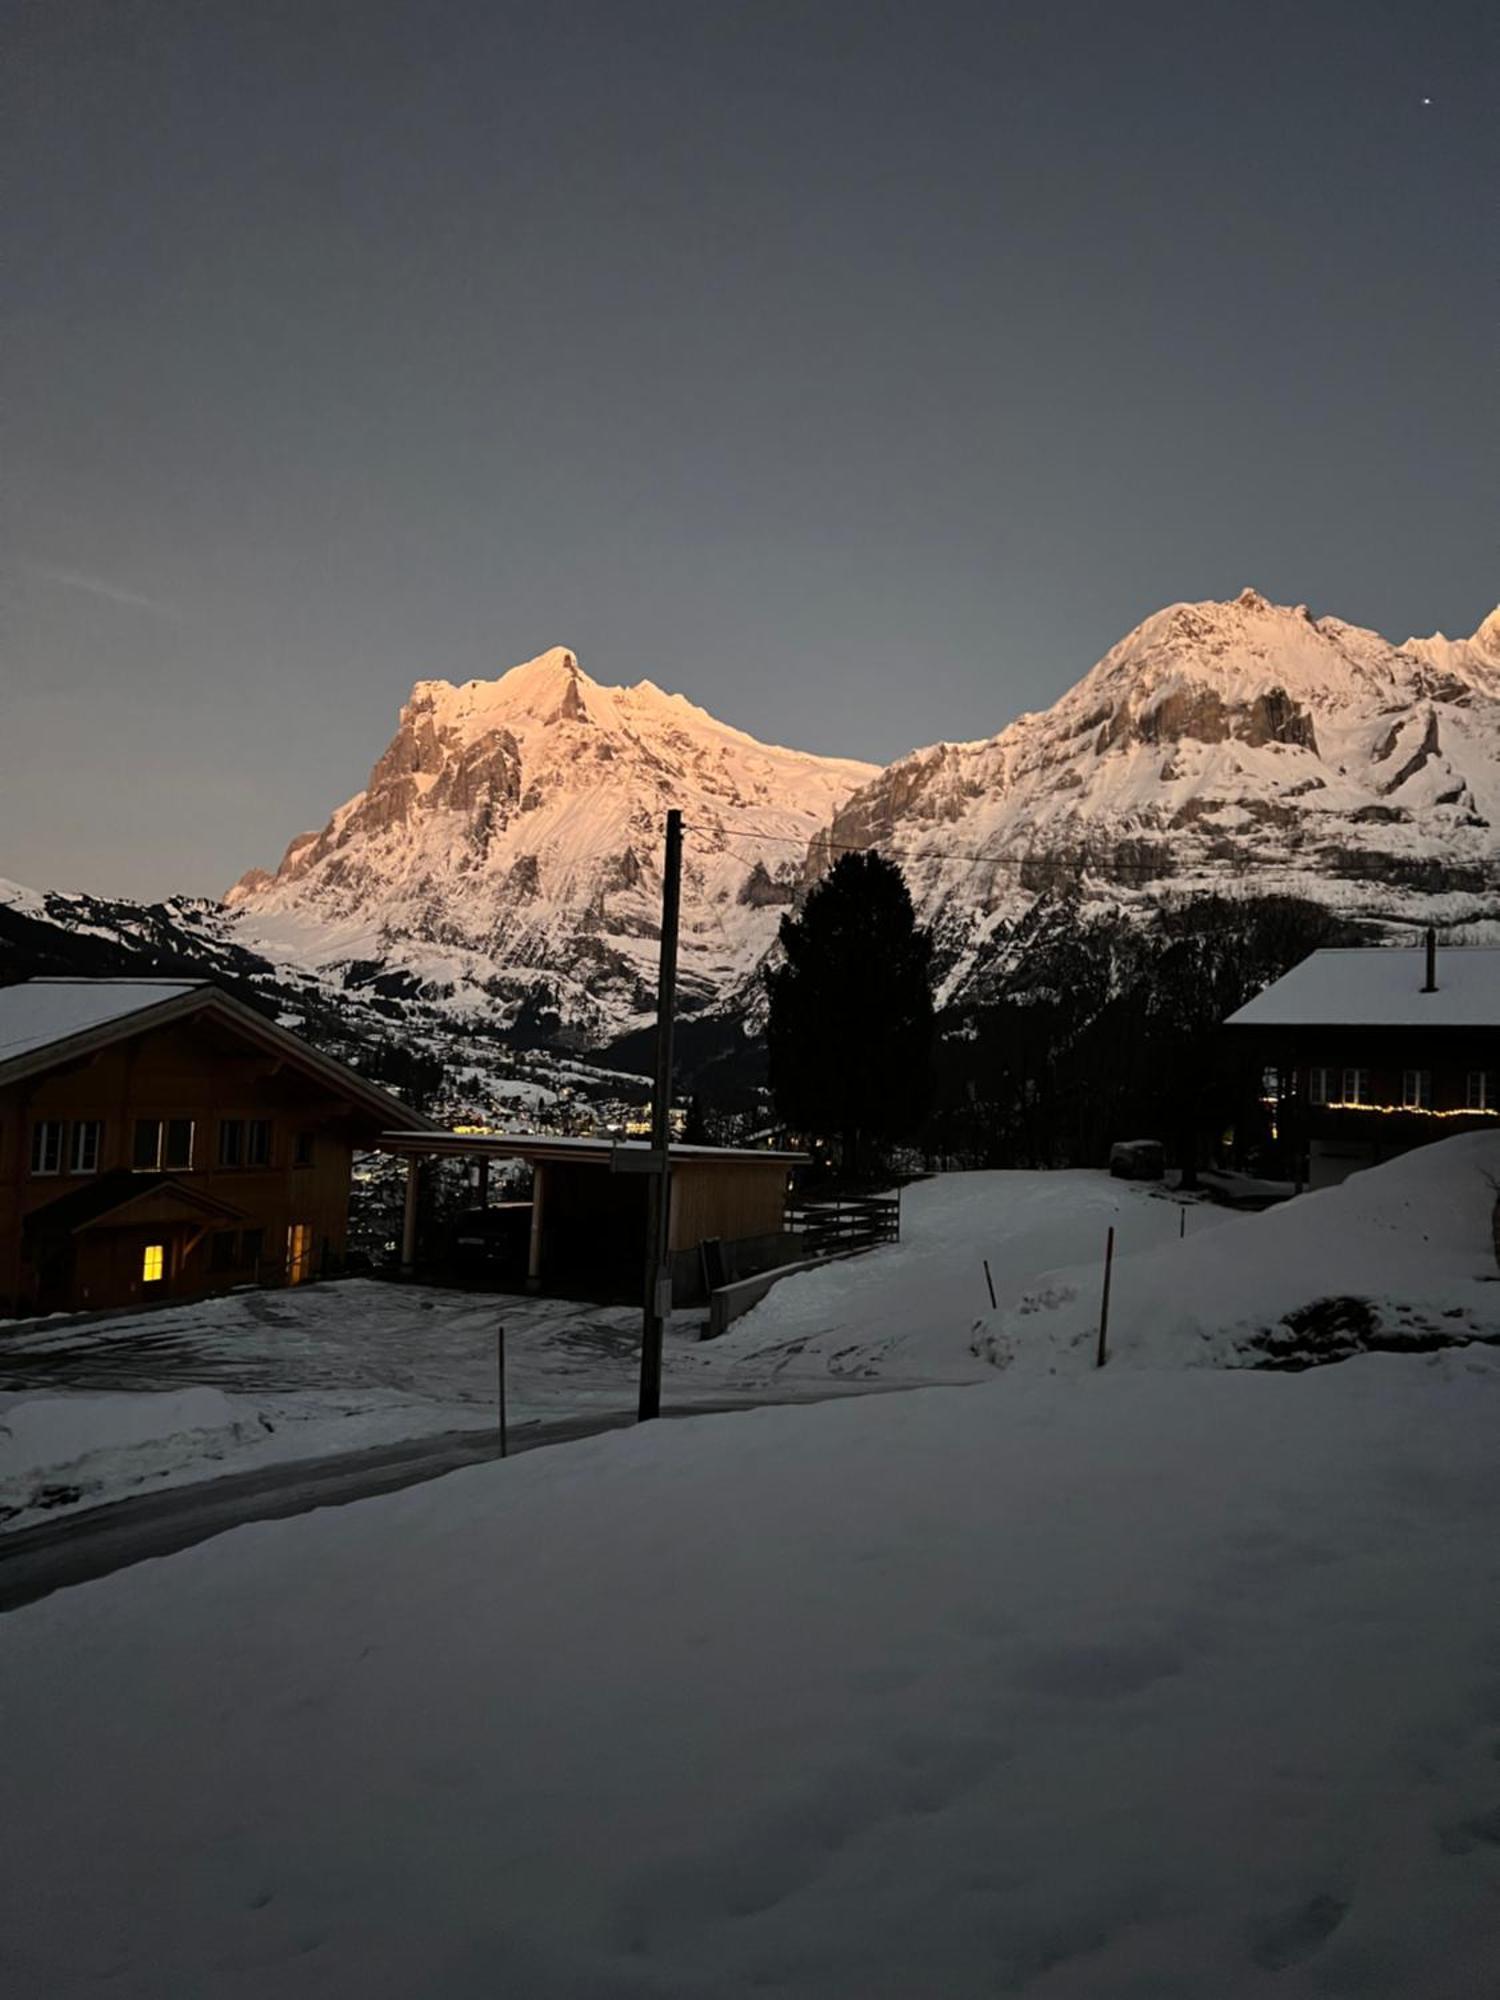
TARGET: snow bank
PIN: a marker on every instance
(75, 1449)
(912, 1312)
(1411, 1238)
(1165, 1685)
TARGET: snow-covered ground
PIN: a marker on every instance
(90, 1414)
(94, 1413)
(1165, 1683)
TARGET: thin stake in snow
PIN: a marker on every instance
(990, 1282)
(1182, 1230)
(1109, 1261)
(658, 1225)
(500, 1380)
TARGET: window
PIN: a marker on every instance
(1480, 1094)
(153, 1263)
(177, 1153)
(244, 1142)
(1356, 1086)
(88, 1140)
(221, 1250)
(1321, 1085)
(299, 1243)
(1270, 1085)
(304, 1153)
(252, 1243)
(46, 1146)
(145, 1151)
(1416, 1089)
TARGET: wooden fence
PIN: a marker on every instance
(856, 1222)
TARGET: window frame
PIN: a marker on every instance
(1484, 1100)
(1319, 1088)
(174, 1126)
(258, 1146)
(1358, 1094)
(1416, 1090)
(94, 1128)
(231, 1157)
(41, 1151)
(137, 1164)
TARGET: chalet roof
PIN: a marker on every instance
(599, 1152)
(1380, 986)
(47, 1022)
(39, 1012)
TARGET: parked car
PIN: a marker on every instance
(1137, 1160)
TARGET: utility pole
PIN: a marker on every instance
(659, 1200)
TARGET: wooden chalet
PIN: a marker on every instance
(159, 1139)
(1364, 1053)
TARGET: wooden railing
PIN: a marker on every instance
(855, 1222)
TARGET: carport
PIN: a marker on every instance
(726, 1215)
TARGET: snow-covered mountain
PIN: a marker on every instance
(506, 852)
(1219, 748)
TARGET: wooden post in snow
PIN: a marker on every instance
(1109, 1260)
(500, 1381)
(990, 1282)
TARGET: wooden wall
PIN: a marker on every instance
(193, 1069)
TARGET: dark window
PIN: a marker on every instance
(88, 1141)
(258, 1143)
(1480, 1095)
(1416, 1089)
(231, 1142)
(251, 1245)
(221, 1251)
(1321, 1085)
(178, 1156)
(1356, 1086)
(46, 1146)
(145, 1151)
(304, 1154)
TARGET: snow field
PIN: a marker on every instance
(1166, 1684)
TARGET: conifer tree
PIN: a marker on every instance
(851, 1028)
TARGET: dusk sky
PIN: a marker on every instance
(862, 371)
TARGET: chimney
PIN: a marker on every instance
(1431, 986)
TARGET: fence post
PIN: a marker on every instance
(990, 1282)
(1182, 1211)
(1109, 1258)
(500, 1377)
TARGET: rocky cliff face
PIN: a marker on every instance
(1241, 748)
(506, 851)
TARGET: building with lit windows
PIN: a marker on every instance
(1366, 1052)
(159, 1139)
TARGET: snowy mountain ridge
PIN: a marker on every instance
(1217, 749)
(508, 846)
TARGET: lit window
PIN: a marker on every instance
(1480, 1095)
(46, 1146)
(153, 1263)
(1320, 1085)
(1416, 1089)
(299, 1243)
(83, 1153)
(1270, 1085)
(1356, 1086)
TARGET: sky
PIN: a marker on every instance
(862, 371)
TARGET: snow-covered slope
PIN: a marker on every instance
(1219, 747)
(508, 847)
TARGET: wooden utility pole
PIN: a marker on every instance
(658, 1301)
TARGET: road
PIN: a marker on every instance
(57, 1554)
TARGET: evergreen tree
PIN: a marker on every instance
(850, 1030)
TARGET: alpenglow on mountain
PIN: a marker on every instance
(508, 843)
(1231, 749)
(508, 846)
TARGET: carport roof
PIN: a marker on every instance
(582, 1152)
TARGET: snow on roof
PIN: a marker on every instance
(38, 1012)
(1380, 986)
